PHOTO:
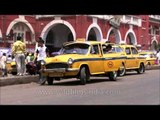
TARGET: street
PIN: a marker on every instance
(132, 89)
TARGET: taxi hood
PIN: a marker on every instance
(63, 58)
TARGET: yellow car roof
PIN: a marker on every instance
(85, 42)
(146, 52)
(126, 45)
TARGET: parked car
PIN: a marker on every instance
(117, 52)
(150, 57)
(13, 68)
(8, 66)
(133, 59)
(80, 60)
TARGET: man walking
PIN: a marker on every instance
(41, 53)
(18, 50)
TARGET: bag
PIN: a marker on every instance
(156, 62)
(31, 68)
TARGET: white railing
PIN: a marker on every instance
(133, 20)
(105, 17)
(155, 17)
(46, 16)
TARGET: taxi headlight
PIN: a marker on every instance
(70, 61)
(43, 62)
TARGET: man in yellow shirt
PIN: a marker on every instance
(18, 50)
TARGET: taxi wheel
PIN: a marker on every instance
(14, 73)
(122, 71)
(84, 75)
(113, 76)
(50, 80)
(141, 69)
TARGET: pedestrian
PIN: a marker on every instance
(41, 53)
(28, 59)
(158, 57)
(108, 48)
(3, 64)
(32, 57)
(18, 50)
(1, 54)
(9, 58)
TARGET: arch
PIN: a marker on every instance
(23, 21)
(47, 28)
(97, 30)
(132, 35)
(154, 40)
(154, 44)
(117, 33)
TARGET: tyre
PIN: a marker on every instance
(84, 75)
(113, 76)
(50, 80)
(14, 73)
(122, 71)
(141, 69)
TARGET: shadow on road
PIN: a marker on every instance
(133, 73)
(76, 82)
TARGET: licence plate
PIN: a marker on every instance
(56, 75)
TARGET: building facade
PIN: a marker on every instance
(143, 30)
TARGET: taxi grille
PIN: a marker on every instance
(56, 65)
(13, 66)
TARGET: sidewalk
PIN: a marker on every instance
(13, 79)
(154, 67)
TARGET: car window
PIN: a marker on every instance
(128, 51)
(94, 49)
(113, 49)
(75, 49)
(134, 51)
(104, 49)
(118, 49)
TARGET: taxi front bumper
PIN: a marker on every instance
(59, 72)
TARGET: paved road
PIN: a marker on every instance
(132, 89)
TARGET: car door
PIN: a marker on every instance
(135, 56)
(129, 59)
(96, 62)
(112, 60)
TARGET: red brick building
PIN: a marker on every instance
(141, 30)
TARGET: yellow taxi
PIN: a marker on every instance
(116, 53)
(13, 68)
(80, 60)
(133, 59)
(8, 66)
(150, 57)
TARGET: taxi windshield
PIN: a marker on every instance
(75, 49)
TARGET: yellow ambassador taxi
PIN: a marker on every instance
(80, 60)
(150, 57)
(10, 67)
(13, 68)
(117, 53)
(133, 59)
